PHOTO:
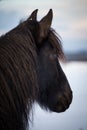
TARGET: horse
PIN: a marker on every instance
(30, 72)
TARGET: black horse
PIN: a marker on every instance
(30, 71)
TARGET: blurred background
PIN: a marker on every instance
(70, 22)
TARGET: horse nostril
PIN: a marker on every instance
(68, 96)
(63, 102)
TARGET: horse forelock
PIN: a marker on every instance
(56, 42)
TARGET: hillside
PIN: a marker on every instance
(80, 56)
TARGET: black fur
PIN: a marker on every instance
(30, 71)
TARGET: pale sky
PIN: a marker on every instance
(69, 20)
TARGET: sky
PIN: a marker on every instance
(69, 18)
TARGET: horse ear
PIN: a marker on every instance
(45, 25)
(33, 15)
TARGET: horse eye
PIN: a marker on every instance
(52, 56)
(30, 19)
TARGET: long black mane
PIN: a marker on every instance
(18, 77)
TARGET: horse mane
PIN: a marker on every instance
(18, 78)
